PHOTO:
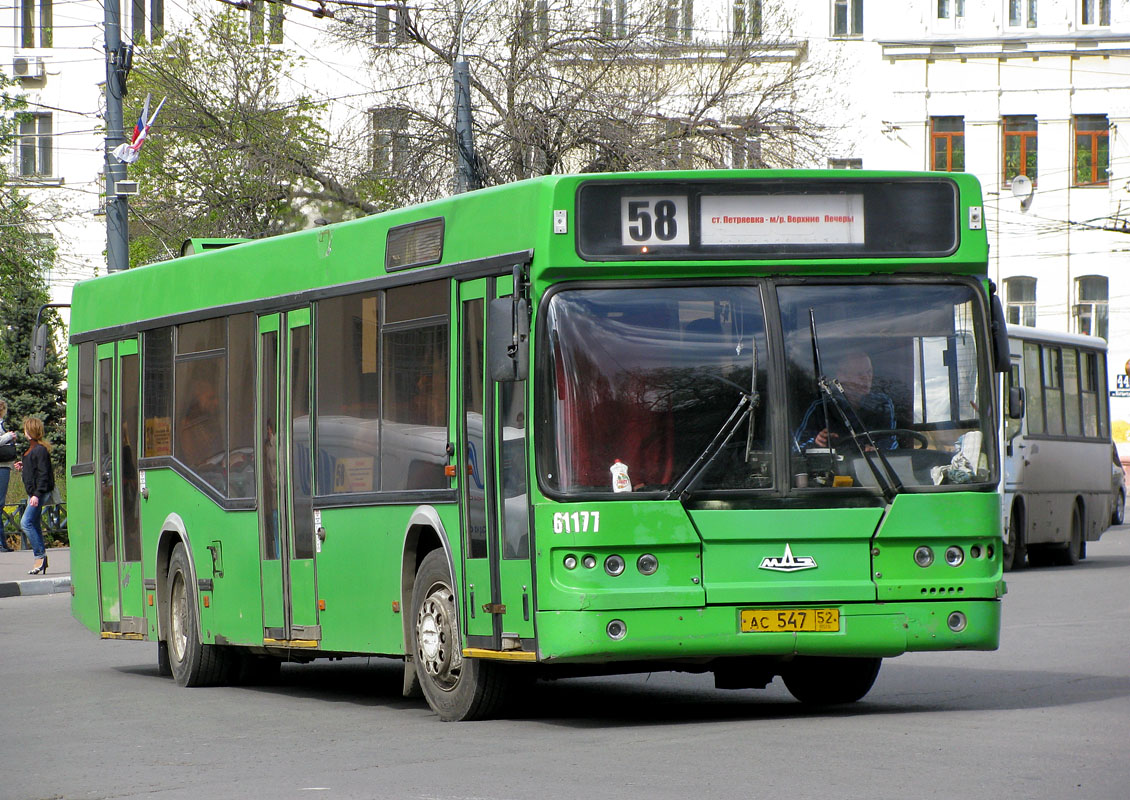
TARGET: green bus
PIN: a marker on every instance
(739, 422)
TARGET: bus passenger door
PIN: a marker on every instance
(286, 519)
(498, 587)
(119, 517)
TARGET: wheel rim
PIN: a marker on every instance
(178, 618)
(437, 640)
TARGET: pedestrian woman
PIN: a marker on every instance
(39, 480)
(7, 459)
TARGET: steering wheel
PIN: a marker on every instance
(915, 435)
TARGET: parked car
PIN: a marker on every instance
(1117, 488)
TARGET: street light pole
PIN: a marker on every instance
(117, 206)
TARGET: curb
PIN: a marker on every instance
(35, 586)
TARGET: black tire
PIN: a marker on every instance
(1118, 513)
(1014, 552)
(192, 663)
(456, 688)
(1069, 554)
(830, 681)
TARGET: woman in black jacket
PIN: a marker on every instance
(39, 480)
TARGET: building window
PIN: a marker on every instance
(1019, 147)
(1022, 13)
(1094, 12)
(948, 9)
(36, 145)
(1091, 305)
(134, 19)
(747, 18)
(613, 17)
(745, 150)
(947, 144)
(678, 19)
(35, 23)
(1020, 300)
(266, 27)
(389, 141)
(845, 163)
(847, 17)
(1092, 150)
(391, 25)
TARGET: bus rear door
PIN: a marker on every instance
(121, 587)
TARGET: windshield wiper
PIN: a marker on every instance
(832, 393)
(686, 483)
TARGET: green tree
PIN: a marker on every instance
(26, 254)
(231, 153)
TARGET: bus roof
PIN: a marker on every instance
(1027, 333)
(514, 219)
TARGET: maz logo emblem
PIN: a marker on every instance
(788, 562)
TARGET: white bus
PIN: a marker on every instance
(1057, 474)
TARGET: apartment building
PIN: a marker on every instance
(1032, 96)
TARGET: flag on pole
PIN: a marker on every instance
(129, 151)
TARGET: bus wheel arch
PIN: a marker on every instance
(172, 534)
(1015, 549)
(425, 534)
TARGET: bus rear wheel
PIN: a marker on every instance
(191, 662)
(830, 681)
(1075, 548)
(456, 688)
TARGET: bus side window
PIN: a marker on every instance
(1033, 389)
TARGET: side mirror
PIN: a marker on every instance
(508, 336)
(38, 356)
(1015, 402)
(1001, 358)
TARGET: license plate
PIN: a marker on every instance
(790, 620)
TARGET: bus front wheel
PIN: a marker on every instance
(456, 688)
(191, 662)
(830, 681)
(1014, 552)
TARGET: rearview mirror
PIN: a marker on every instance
(1015, 402)
(1002, 360)
(38, 356)
(508, 334)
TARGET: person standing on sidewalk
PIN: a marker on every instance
(39, 480)
(7, 459)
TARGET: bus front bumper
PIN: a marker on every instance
(865, 629)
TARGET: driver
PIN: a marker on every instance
(875, 410)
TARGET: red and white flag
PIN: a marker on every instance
(129, 151)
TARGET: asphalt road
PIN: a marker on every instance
(1046, 716)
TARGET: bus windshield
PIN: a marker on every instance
(646, 381)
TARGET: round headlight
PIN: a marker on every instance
(955, 556)
(589, 561)
(647, 564)
(923, 556)
(956, 621)
(614, 565)
(570, 562)
(616, 629)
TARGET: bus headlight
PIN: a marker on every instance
(923, 556)
(614, 565)
(616, 629)
(956, 621)
(955, 556)
(647, 564)
(570, 562)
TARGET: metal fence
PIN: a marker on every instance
(54, 523)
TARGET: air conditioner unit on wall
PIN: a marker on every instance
(27, 67)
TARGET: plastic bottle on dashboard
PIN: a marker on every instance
(620, 480)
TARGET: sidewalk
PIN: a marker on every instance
(14, 580)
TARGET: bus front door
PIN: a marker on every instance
(498, 593)
(121, 587)
(286, 517)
